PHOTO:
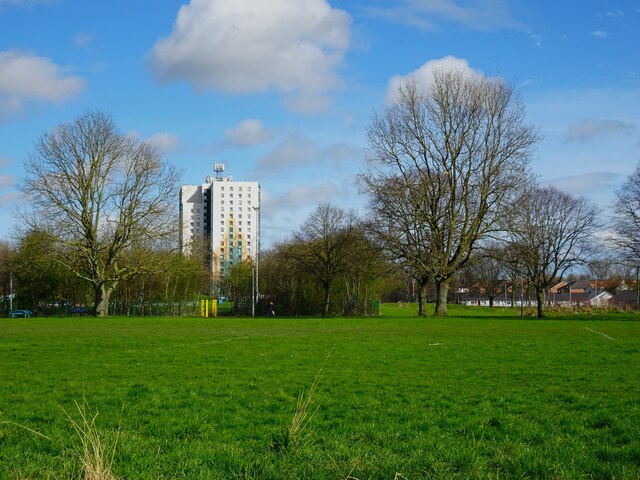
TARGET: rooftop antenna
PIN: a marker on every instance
(218, 168)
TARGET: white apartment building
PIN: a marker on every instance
(225, 216)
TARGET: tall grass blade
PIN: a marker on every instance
(95, 459)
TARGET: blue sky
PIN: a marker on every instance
(282, 91)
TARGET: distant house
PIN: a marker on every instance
(567, 299)
(624, 298)
(582, 287)
(622, 286)
(601, 299)
(479, 299)
(562, 287)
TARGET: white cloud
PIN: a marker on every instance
(6, 180)
(26, 77)
(292, 152)
(248, 133)
(24, 2)
(292, 46)
(589, 130)
(164, 142)
(537, 39)
(308, 104)
(9, 106)
(84, 39)
(599, 34)
(587, 183)
(9, 198)
(423, 76)
(614, 14)
(297, 197)
(558, 157)
(298, 150)
(484, 15)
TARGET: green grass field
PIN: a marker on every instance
(481, 394)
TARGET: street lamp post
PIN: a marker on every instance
(570, 302)
(10, 291)
(521, 296)
(637, 286)
(256, 292)
(505, 293)
(253, 292)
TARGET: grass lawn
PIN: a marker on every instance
(480, 394)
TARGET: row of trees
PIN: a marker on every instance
(448, 184)
(332, 255)
(449, 177)
(330, 266)
(170, 283)
(333, 265)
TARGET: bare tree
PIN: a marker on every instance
(601, 267)
(7, 256)
(627, 217)
(488, 272)
(41, 279)
(395, 221)
(461, 151)
(365, 274)
(236, 286)
(321, 247)
(550, 233)
(99, 194)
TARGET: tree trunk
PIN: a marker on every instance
(327, 299)
(422, 299)
(102, 294)
(490, 302)
(442, 290)
(540, 298)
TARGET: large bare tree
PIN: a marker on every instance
(627, 217)
(99, 194)
(551, 232)
(461, 148)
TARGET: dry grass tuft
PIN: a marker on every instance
(96, 460)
